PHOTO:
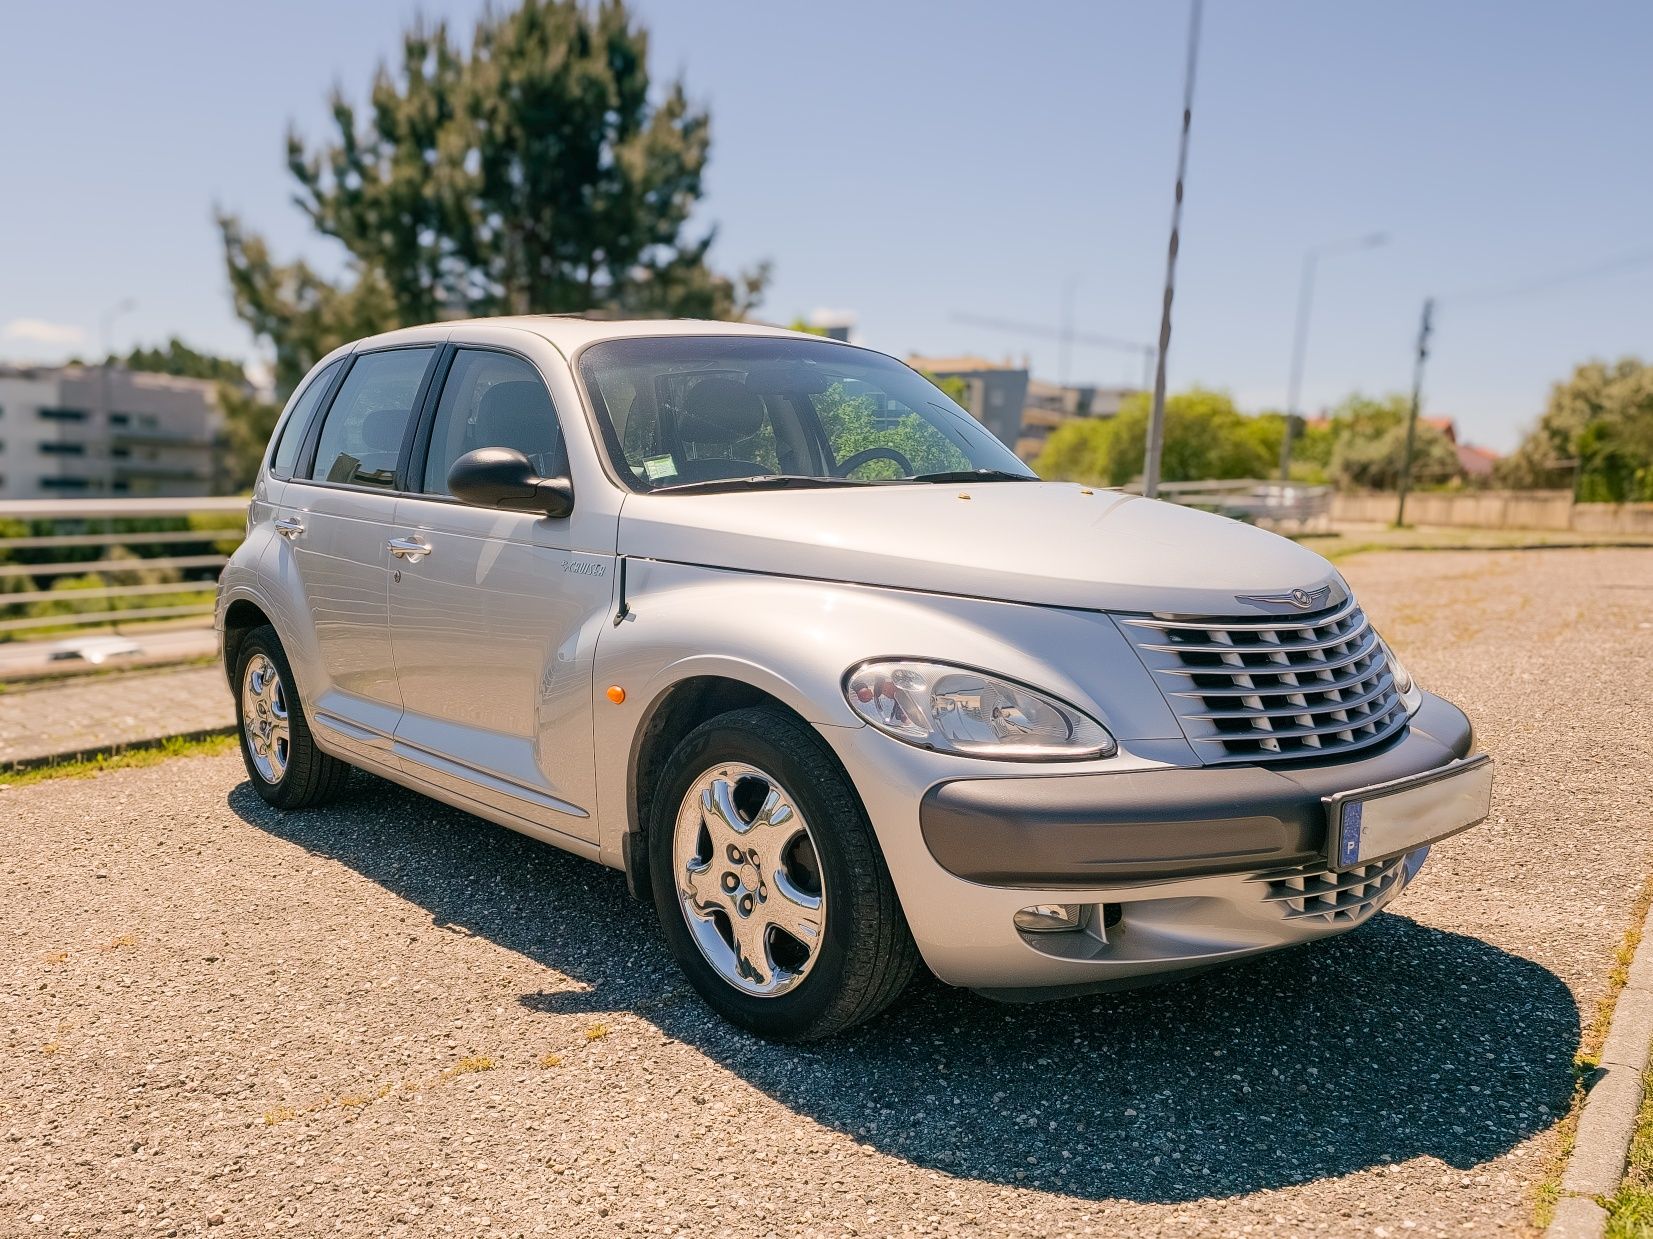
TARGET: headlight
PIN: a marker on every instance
(957, 710)
(1409, 695)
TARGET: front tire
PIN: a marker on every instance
(286, 768)
(771, 890)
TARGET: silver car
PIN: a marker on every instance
(773, 626)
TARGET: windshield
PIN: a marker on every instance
(705, 411)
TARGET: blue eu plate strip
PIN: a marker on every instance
(1348, 843)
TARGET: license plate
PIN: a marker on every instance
(1375, 823)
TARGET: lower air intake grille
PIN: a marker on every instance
(1332, 898)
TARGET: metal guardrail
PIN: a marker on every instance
(32, 598)
(1249, 499)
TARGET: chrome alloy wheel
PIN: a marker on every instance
(748, 879)
(264, 718)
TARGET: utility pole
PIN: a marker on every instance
(1065, 352)
(1412, 417)
(1300, 338)
(1156, 419)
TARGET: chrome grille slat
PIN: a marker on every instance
(1260, 647)
(1309, 687)
(1284, 690)
(1246, 625)
(1274, 689)
(1346, 660)
(1290, 733)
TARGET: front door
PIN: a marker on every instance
(337, 515)
(494, 615)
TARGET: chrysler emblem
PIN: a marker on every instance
(1302, 599)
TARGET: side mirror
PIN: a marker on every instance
(501, 477)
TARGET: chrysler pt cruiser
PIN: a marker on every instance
(773, 626)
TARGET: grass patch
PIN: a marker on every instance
(468, 1065)
(121, 759)
(1585, 1062)
(1630, 1212)
(596, 1032)
(1441, 538)
(548, 1061)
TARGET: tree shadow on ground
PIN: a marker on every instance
(1396, 1041)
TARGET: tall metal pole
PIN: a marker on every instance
(1300, 339)
(1412, 417)
(1299, 346)
(1065, 350)
(1156, 419)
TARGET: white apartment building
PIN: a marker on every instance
(101, 431)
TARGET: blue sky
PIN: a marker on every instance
(913, 161)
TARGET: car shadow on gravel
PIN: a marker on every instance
(1393, 1042)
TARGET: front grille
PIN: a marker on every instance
(1332, 898)
(1264, 690)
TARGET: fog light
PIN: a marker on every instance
(1051, 918)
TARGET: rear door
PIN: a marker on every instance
(336, 513)
(494, 622)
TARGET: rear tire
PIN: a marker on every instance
(771, 890)
(286, 768)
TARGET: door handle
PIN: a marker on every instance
(410, 549)
(288, 527)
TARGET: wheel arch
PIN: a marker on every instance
(675, 711)
(241, 617)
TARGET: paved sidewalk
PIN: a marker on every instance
(104, 711)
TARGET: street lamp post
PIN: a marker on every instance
(1155, 446)
(1300, 339)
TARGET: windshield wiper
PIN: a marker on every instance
(761, 481)
(970, 475)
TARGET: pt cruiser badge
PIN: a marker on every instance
(1041, 743)
(1302, 599)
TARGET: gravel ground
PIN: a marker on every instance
(389, 1018)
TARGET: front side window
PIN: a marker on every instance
(493, 400)
(361, 439)
(703, 410)
(292, 436)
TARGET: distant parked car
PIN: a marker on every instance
(94, 651)
(772, 625)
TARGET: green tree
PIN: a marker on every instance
(180, 359)
(1205, 437)
(535, 171)
(1369, 446)
(1597, 426)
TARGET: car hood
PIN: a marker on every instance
(1048, 543)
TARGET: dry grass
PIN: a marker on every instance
(1585, 1062)
(137, 755)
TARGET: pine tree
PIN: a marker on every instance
(527, 173)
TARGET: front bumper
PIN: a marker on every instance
(1175, 867)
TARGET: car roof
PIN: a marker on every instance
(568, 332)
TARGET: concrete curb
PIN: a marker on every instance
(92, 752)
(1607, 1122)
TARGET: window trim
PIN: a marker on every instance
(420, 454)
(312, 438)
(337, 367)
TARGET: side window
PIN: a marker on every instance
(292, 435)
(362, 436)
(493, 400)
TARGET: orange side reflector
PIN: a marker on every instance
(616, 694)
